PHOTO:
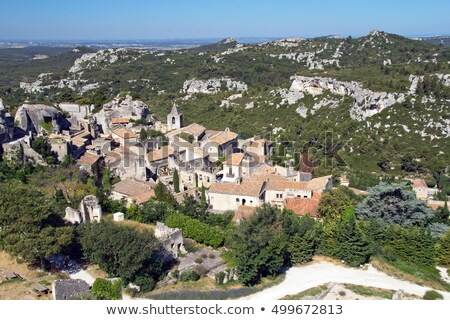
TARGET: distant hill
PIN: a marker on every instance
(384, 96)
(215, 47)
(444, 40)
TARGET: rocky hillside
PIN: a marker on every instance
(383, 96)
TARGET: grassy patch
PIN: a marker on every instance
(425, 276)
(15, 280)
(216, 294)
(311, 292)
(370, 291)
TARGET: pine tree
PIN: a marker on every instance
(354, 245)
(443, 250)
(301, 249)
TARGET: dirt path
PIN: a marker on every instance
(299, 279)
(444, 274)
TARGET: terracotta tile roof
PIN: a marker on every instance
(319, 183)
(135, 190)
(235, 159)
(88, 159)
(302, 206)
(194, 128)
(264, 168)
(79, 141)
(280, 184)
(250, 188)
(143, 197)
(124, 133)
(243, 212)
(223, 137)
(120, 120)
(417, 183)
(160, 154)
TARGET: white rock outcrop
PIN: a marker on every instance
(212, 85)
(366, 102)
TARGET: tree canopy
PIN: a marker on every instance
(394, 203)
(122, 251)
(29, 225)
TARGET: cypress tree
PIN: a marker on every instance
(176, 181)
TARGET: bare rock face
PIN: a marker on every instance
(39, 117)
(72, 216)
(398, 295)
(212, 85)
(366, 102)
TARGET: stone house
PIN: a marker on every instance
(229, 196)
(420, 187)
(171, 239)
(263, 188)
(220, 144)
(124, 136)
(194, 131)
(60, 145)
(91, 163)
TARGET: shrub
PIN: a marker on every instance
(197, 230)
(186, 276)
(432, 295)
(106, 290)
(220, 277)
(212, 256)
(204, 256)
(145, 283)
(198, 260)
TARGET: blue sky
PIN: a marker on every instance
(176, 19)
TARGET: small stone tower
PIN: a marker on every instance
(174, 119)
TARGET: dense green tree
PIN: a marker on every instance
(106, 181)
(302, 248)
(29, 226)
(197, 230)
(259, 245)
(153, 211)
(443, 250)
(441, 214)
(67, 161)
(354, 246)
(106, 290)
(122, 251)
(143, 134)
(132, 212)
(413, 245)
(163, 194)
(394, 203)
(334, 202)
(42, 146)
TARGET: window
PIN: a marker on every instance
(173, 120)
(237, 199)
